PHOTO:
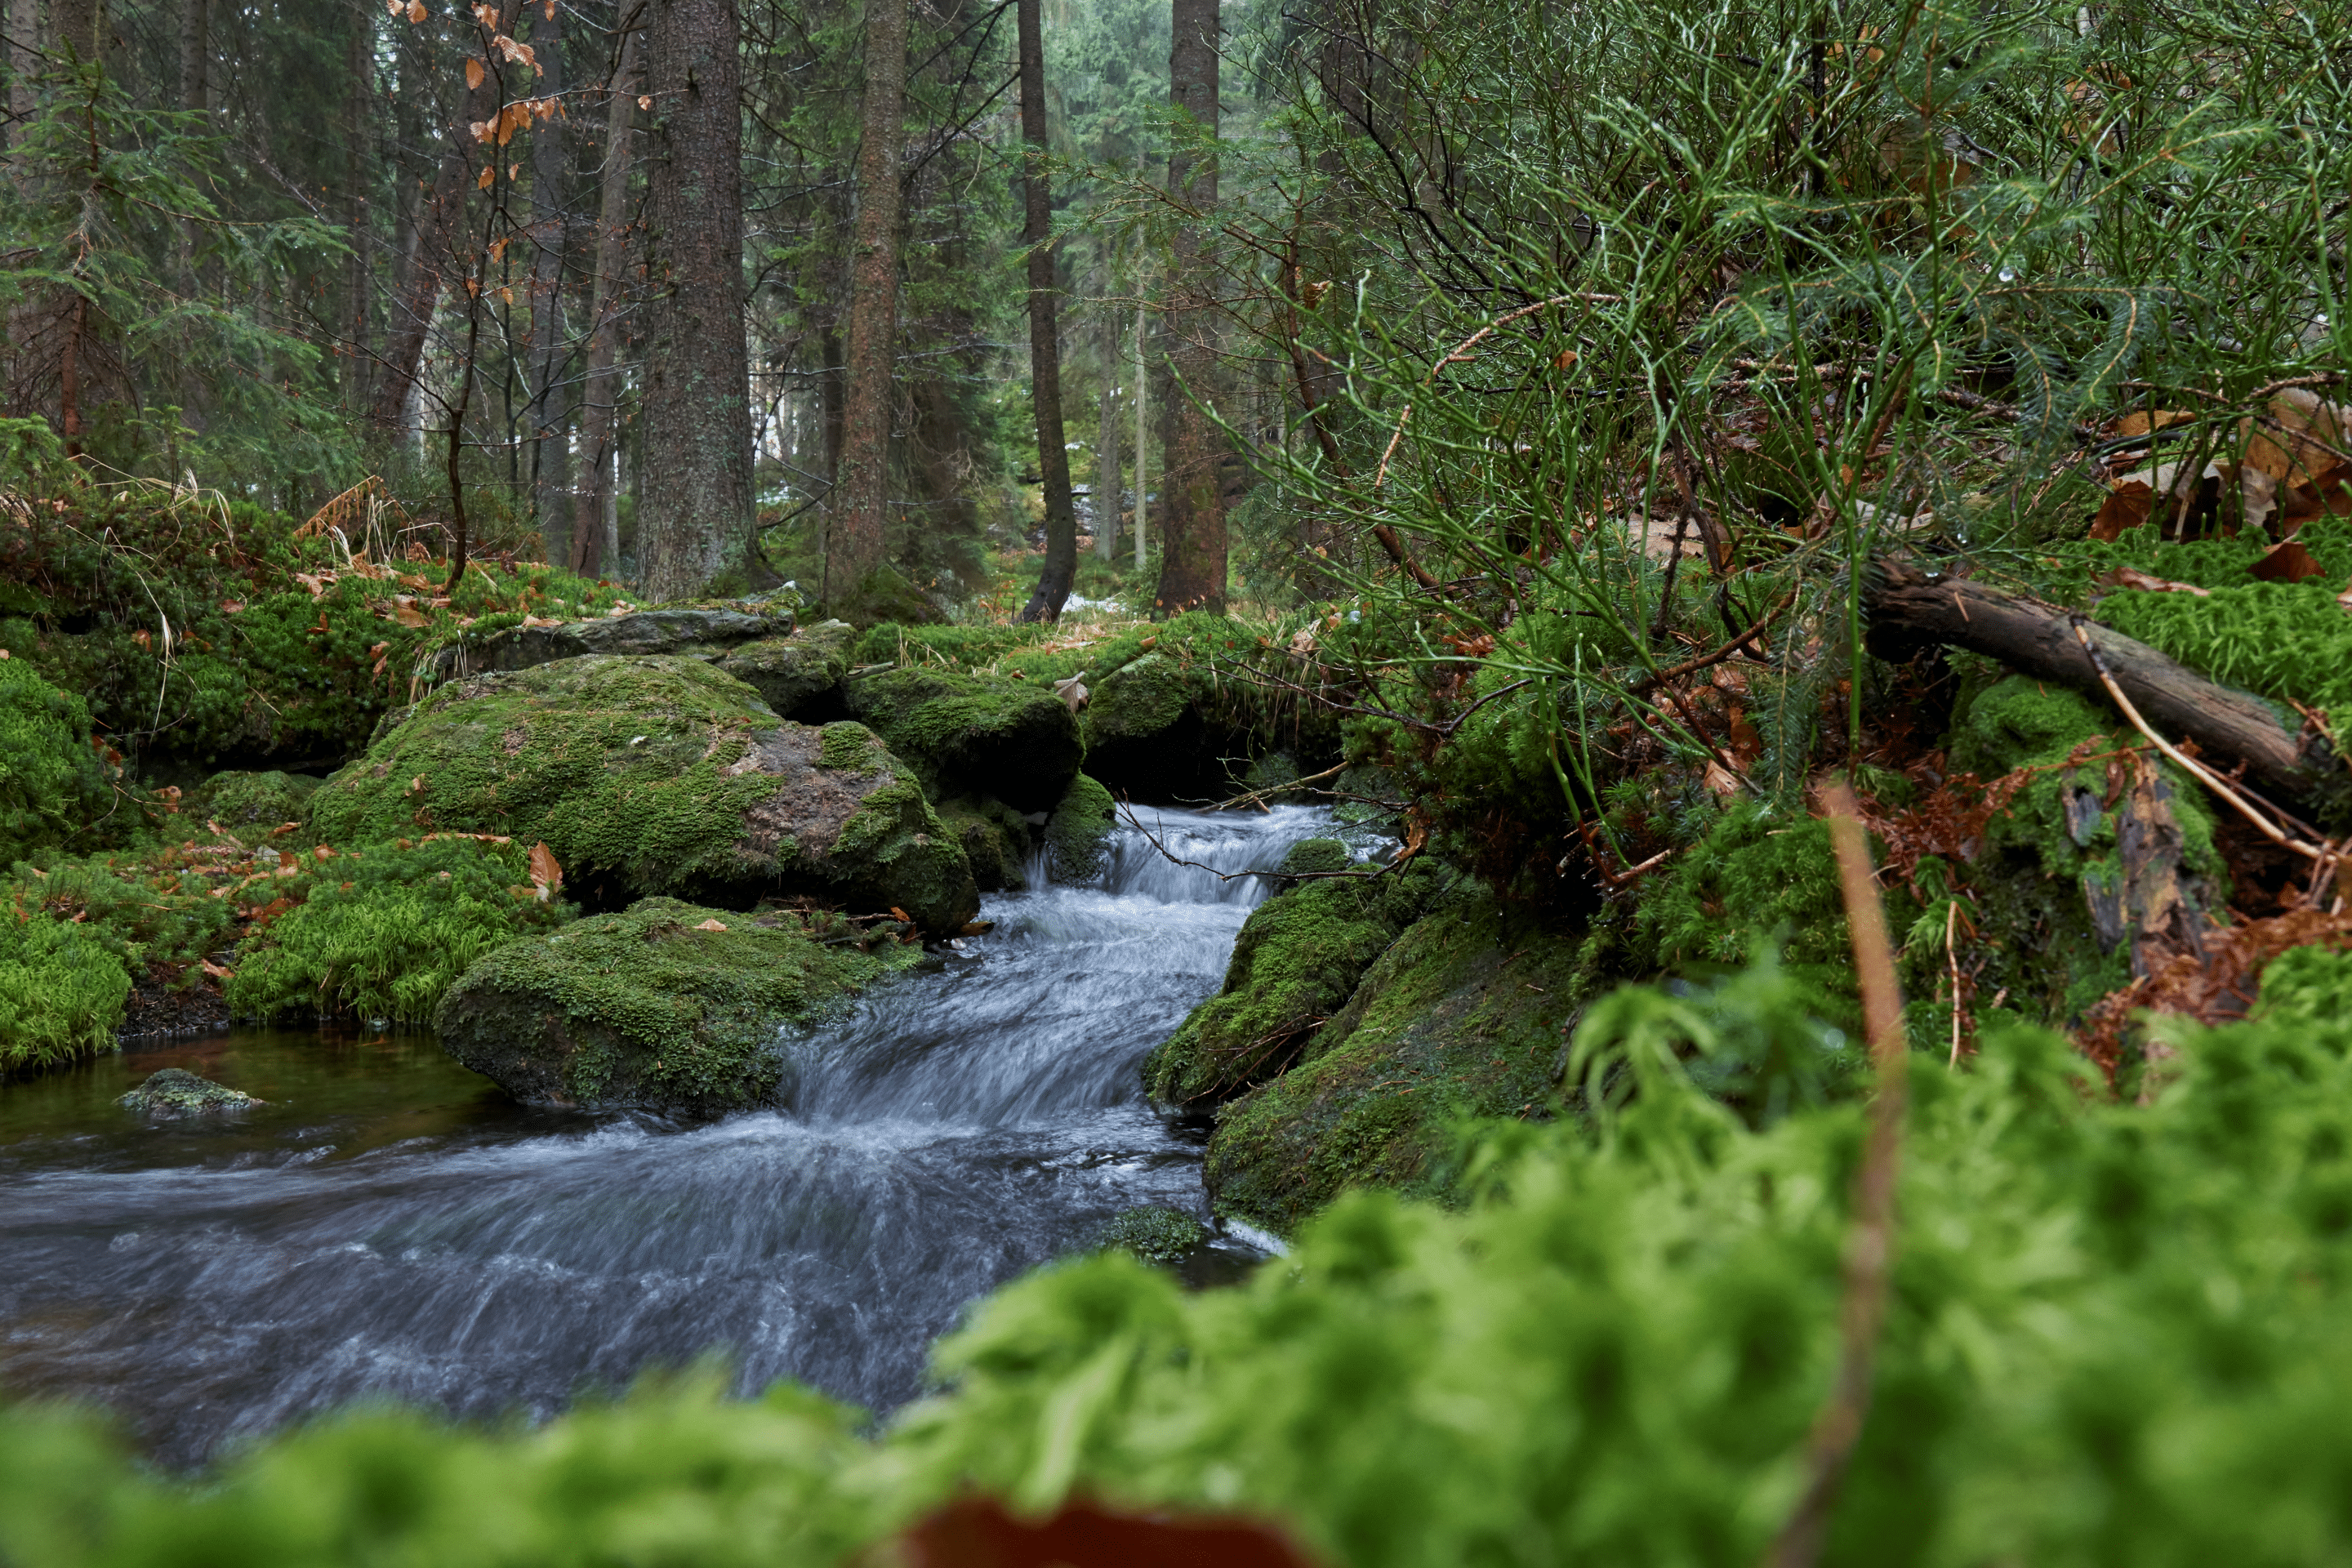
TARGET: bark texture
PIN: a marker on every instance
(441, 239)
(1108, 485)
(24, 63)
(1061, 566)
(1192, 507)
(1910, 609)
(696, 523)
(551, 177)
(593, 551)
(1143, 423)
(854, 537)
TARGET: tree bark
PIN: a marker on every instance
(1107, 485)
(359, 126)
(73, 24)
(24, 63)
(1908, 610)
(1061, 566)
(854, 539)
(599, 449)
(1142, 420)
(697, 376)
(1191, 504)
(551, 177)
(440, 227)
(196, 55)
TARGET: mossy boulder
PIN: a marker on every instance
(798, 676)
(174, 1093)
(707, 631)
(883, 595)
(250, 806)
(973, 735)
(51, 785)
(1153, 1234)
(1078, 833)
(666, 1006)
(1463, 1016)
(1294, 965)
(995, 838)
(658, 775)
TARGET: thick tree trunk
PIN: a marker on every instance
(441, 228)
(599, 497)
(832, 402)
(1192, 506)
(359, 128)
(1908, 610)
(1142, 421)
(1061, 565)
(854, 537)
(196, 54)
(1107, 485)
(550, 178)
(73, 25)
(698, 378)
(24, 63)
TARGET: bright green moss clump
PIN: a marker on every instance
(668, 1006)
(253, 807)
(1153, 1234)
(1080, 828)
(61, 993)
(1294, 965)
(389, 941)
(51, 786)
(971, 735)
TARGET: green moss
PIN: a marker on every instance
(969, 735)
(1080, 828)
(882, 594)
(657, 775)
(667, 1006)
(2307, 985)
(1153, 1234)
(252, 807)
(175, 1093)
(1761, 877)
(390, 942)
(962, 648)
(1463, 1016)
(996, 839)
(61, 991)
(795, 672)
(51, 785)
(1139, 701)
(1295, 963)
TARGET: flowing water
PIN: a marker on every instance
(391, 1226)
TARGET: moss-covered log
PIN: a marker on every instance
(1909, 608)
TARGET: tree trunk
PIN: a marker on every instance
(359, 126)
(1193, 511)
(1061, 565)
(854, 541)
(441, 226)
(24, 63)
(598, 498)
(832, 402)
(1142, 420)
(73, 24)
(551, 177)
(697, 397)
(1107, 475)
(1908, 610)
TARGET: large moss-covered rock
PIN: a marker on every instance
(707, 631)
(973, 735)
(1078, 833)
(798, 676)
(995, 838)
(1462, 1015)
(666, 1006)
(1294, 965)
(659, 775)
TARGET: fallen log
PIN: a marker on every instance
(1910, 608)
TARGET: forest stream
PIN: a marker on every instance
(391, 1226)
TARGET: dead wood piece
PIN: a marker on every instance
(1909, 608)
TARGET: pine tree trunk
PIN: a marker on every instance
(359, 126)
(697, 398)
(23, 63)
(1192, 512)
(73, 24)
(1107, 475)
(1061, 565)
(854, 539)
(1142, 421)
(441, 228)
(832, 402)
(550, 178)
(598, 498)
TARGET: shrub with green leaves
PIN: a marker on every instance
(51, 786)
(389, 940)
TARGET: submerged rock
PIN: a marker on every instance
(671, 629)
(973, 735)
(1463, 1016)
(659, 775)
(666, 1006)
(1296, 962)
(172, 1092)
(799, 674)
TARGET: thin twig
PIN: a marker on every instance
(1254, 796)
(1870, 1238)
(1647, 684)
